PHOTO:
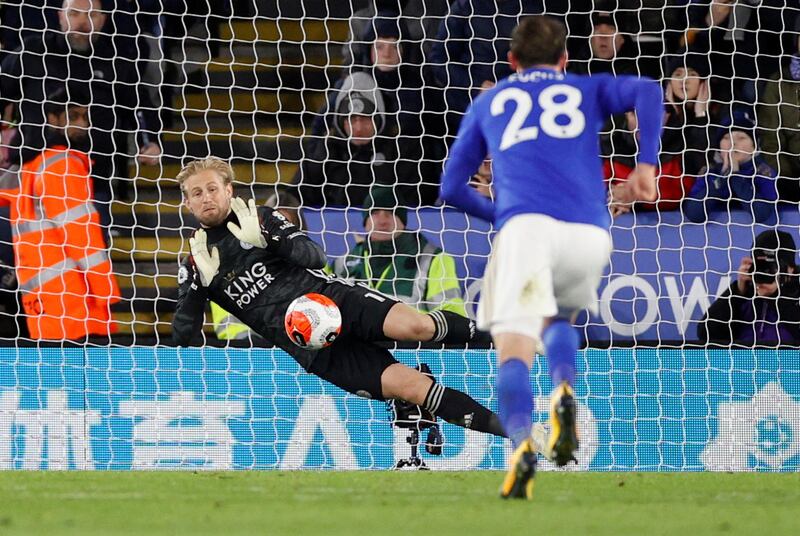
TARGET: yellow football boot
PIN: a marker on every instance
(563, 440)
(518, 483)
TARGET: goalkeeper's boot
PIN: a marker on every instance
(563, 440)
(518, 483)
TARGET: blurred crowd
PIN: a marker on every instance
(81, 93)
(730, 72)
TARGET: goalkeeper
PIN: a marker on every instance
(254, 263)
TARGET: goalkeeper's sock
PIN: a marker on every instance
(560, 341)
(461, 409)
(450, 327)
(515, 399)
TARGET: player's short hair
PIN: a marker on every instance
(538, 40)
(213, 163)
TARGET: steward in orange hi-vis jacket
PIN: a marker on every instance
(62, 263)
(63, 266)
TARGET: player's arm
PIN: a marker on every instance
(192, 297)
(466, 156)
(625, 93)
(286, 240)
(267, 229)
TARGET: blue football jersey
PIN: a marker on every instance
(541, 128)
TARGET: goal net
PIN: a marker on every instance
(315, 104)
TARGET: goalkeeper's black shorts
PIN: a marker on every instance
(353, 362)
(363, 309)
(354, 365)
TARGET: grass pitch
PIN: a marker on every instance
(378, 503)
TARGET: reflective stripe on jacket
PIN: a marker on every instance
(420, 274)
(61, 258)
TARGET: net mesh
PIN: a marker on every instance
(273, 88)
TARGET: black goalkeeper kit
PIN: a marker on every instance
(257, 285)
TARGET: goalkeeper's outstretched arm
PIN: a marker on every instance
(286, 240)
(190, 311)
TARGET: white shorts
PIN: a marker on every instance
(540, 268)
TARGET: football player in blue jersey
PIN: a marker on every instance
(541, 126)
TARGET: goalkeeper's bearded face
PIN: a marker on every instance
(207, 197)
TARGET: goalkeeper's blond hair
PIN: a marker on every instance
(213, 163)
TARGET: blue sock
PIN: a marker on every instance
(515, 399)
(561, 344)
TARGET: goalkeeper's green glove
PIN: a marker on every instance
(249, 228)
(206, 263)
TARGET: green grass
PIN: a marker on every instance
(378, 503)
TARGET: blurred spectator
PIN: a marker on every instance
(607, 50)
(399, 262)
(779, 124)
(620, 149)
(22, 18)
(739, 178)
(471, 49)
(421, 18)
(684, 141)
(358, 153)
(63, 267)
(655, 26)
(384, 57)
(688, 100)
(743, 41)
(108, 64)
(762, 306)
(228, 327)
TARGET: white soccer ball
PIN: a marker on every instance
(313, 321)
